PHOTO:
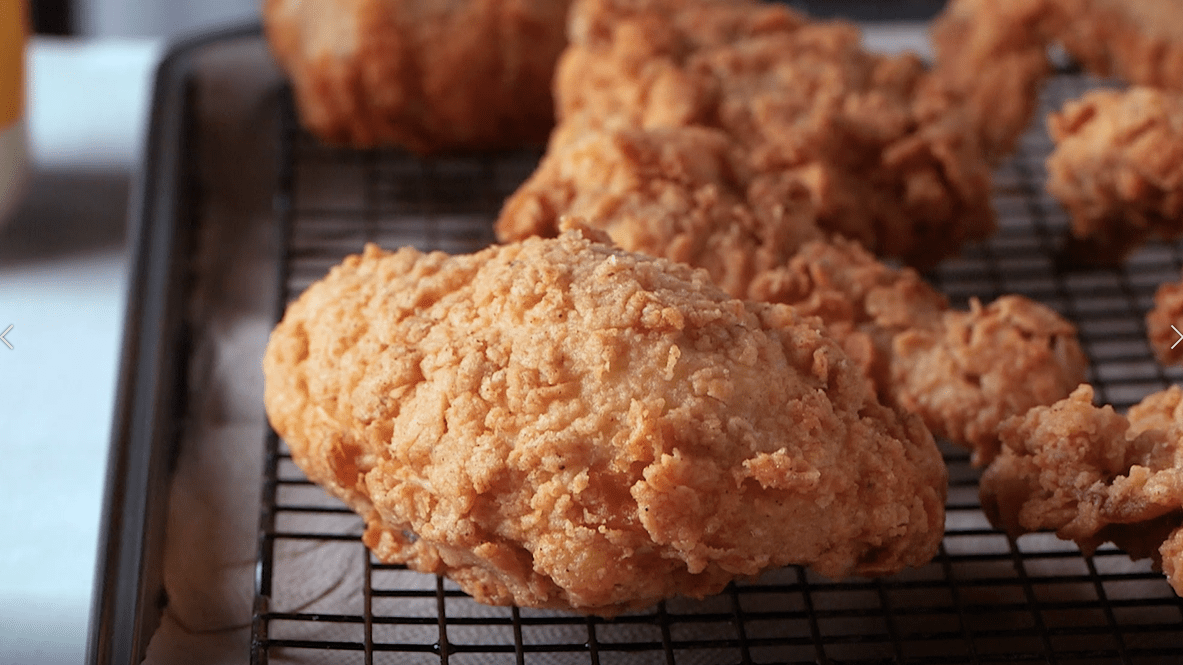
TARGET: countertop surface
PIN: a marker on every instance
(62, 283)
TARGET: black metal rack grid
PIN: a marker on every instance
(984, 599)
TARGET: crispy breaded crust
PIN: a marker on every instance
(976, 369)
(963, 372)
(1167, 312)
(427, 75)
(992, 54)
(816, 132)
(991, 57)
(1095, 476)
(679, 193)
(1118, 168)
(557, 423)
(685, 133)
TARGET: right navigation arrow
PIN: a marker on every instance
(1180, 334)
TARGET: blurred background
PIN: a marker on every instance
(154, 18)
(136, 18)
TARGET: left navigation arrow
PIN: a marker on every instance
(2, 335)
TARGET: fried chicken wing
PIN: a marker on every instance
(1095, 476)
(817, 132)
(559, 423)
(963, 372)
(427, 75)
(1118, 168)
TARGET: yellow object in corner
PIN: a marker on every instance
(13, 30)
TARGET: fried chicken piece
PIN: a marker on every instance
(817, 132)
(678, 139)
(658, 146)
(558, 423)
(1095, 476)
(1118, 168)
(1138, 41)
(427, 75)
(993, 53)
(980, 367)
(1163, 320)
(963, 372)
(672, 193)
(991, 58)
(678, 193)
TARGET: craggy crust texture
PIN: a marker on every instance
(993, 53)
(427, 75)
(1095, 476)
(690, 135)
(1167, 312)
(982, 366)
(992, 56)
(800, 126)
(557, 423)
(1118, 168)
(678, 193)
(962, 372)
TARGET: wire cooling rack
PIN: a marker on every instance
(984, 599)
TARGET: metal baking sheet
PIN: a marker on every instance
(984, 599)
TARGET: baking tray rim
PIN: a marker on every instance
(128, 594)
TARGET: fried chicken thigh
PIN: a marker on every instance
(1095, 476)
(559, 423)
(426, 75)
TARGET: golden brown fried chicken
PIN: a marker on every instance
(690, 136)
(806, 129)
(982, 366)
(558, 423)
(678, 193)
(963, 372)
(427, 75)
(1095, 476)
(993, 53)
(991, 58)
(1163, 320)
(1138, 41)
(1118, 168)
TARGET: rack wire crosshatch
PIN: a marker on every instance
(984, 599)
